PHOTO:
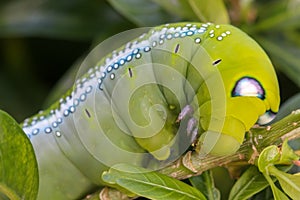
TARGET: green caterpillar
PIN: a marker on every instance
(149, 100)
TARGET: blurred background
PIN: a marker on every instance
(42, 41)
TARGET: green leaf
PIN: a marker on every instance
(205, 184)
(197, 10)
(210, 11)
(250, 183)
(278, 194)
(287, 154)
(143, 12)
(289, 183)
(267, 160)
(149, 184)
(269, 156)
(181, 8)
(18, 166)
(272, 156)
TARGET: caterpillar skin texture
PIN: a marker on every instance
(128, 105)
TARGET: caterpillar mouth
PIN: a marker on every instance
(266, 118)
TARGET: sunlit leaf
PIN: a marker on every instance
(149, 184)
(289, 183)
(269, 156)
(277, 193)
(267, 160)
(287, 154)
(18, 166)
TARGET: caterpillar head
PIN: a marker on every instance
(251, 91)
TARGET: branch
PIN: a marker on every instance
(258, 138)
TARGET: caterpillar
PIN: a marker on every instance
(146, 102)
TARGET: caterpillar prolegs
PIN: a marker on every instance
(148, 100)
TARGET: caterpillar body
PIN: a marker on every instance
(147, 101)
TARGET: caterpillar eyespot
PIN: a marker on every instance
(146, 102)
(248, 86)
